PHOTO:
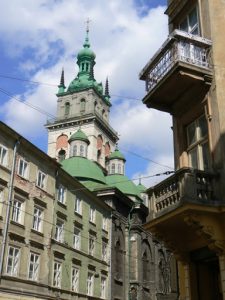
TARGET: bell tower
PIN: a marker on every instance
(82, 106)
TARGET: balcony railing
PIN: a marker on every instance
(179, 47)
(186, 185)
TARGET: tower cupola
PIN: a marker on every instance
(116, 162)
(78, 144)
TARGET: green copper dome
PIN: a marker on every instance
(83, 169)
(86, 52)
(141, 188)
(79, 136)
(116, 155)
(123, 184)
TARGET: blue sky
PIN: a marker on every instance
(38, 38)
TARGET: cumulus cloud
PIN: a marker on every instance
(45, 36)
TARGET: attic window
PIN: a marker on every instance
(67, 108)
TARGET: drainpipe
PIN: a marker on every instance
(110, 264)
(9, 203)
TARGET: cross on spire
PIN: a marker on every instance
(87, 25)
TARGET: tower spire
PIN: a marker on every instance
(107, 87)
(61, 86)
(86, 42)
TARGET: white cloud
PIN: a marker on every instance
(40, 32)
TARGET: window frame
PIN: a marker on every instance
(197, 144)
(91, 244)
(75, 279)
(25, 170)
(17, 212)
(59, 230)
(41, 179)
(78, 208)
(34, 266)
(14, 264)
(57, 274)
(187, 18)
(61, 194)
(38, 219)
(103, 287)
(3, 156)
(77, 239)
(104, 251)
(92, 215)
(90, 284)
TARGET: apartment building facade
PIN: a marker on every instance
(186, 79)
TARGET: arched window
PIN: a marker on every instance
(113, 169)
(95, 105)
(81, 150)
(107, 149)
(82, 105)
(61, 155)
(118, 260)
(67, 108)
(82, 67)
(62, 142)
(119, 168)
(103, 112)
(145, 264)
(87, 67)
(75, 150)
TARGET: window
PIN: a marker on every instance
(104, 251)
(82, 105)
(61, 196)
(61, 155)
(103, 287)
(12, 267)
(1, 201)
(113, 169)
(67, 108)
(41, 179)
(37, 220)
(59, 231)
(75, 279)
(91, 244)
(90, 284)
(82, 150)
(145, 266)
(197, 142)
(92, 215)
(23, 168)
(76, 238)
(104, 223)
(74, 150)
(191, 23)
(78, 207)
(17, 211)
(3, 155)
(34, 266)
(57, 272)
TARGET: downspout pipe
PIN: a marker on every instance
(129, 252)
(9, 204)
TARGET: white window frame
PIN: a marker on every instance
(23, 168)
(61, 194)
(77, 238)
(37, 219)
(3, 155)
(59, 231)
(13, 260)
(104, 251)
(91, 245)
(187, 18)
(34, 264)
(92, 215)
(78, 205)
(17, 211)
(197, 144)
(75, 273)
(1, 201)
(103, 287)
(57, 274)
(90, 284)
(41, 180)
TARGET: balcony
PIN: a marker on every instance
(180, 69)
(185, 186)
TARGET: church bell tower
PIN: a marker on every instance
(83, 107)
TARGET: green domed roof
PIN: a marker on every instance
(86, 52)
(116, 154)
(79, 136)
(123, 183)
(82, 168)
(141, 188)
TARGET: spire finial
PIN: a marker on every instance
(87, 26)
(62, 81)
(86, 43)
(139, 180)
(107, 87)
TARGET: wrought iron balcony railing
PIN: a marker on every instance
(186, 185)
(179, 47)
